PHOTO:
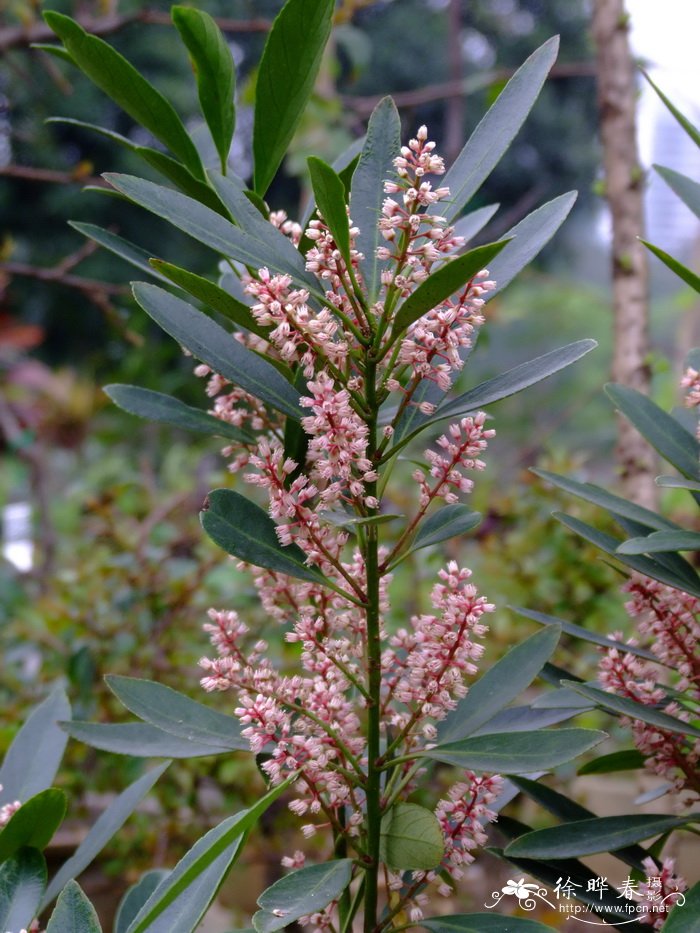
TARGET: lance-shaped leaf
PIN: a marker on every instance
(623, 706)
(139, 739)
(329, 192)
(525, 719)
(686, 914)
(212, 345)
(302, 892)
(345, 166)
(677, 482)
(34, 823)
(73, 913)
(177, 714)
(208, 227)
(382, 145)
(682, 120)
(129, 252)
(483, 923)
(215, 73)
(628, 759)
(661, 541)
(447, 522)
(686, 189)
(22, 882)
(246, 531)
(683, 272)
(181, 899)
(498, 128)
(516, 752)
(448, 279)
(104, 828)
(118, 78)
(33, 758)
(663, 432)
(472, 223)
(136, 897)
(500, 685)
(601, 834)
(411, 838)
(155, 406)
(286, 75)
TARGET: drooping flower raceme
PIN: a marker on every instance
(353, 674)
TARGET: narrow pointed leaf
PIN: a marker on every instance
(685, 916)
(118, 78)
(346, 162)
(686, 189)
(683, 272)
(33, 758)
(129, 252)
(525, 719)
(483, 923)
(140, 739)
(579, 632)
(411, 838)
(449, 279)
(212, 345)
(500, 685)
(302, 892)
(56, 50)
(73, 913)
(329, 192)
(246, 531)
(587, 837)
(176, 713)
(155, 406)
(677, 482)
(22, 882)
(516, 752)
(448, 522)
(474, 222)
(104, 828)
(288, 68)
(382, 145)
(662, 431)
(682, 120)
(498, 128)
(34, 823)
(180, 900)
(136, 897)
(626, 707)
(661, 541)
(215, 73)
(629, 759)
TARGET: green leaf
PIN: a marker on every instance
(329, 192)
(483, 923)
(587, 837)
(155, 406)
(215, 73)
(516, 752)
(33, 758)
(104, 828)
(472, 223)
(661, 541)
(684, 122)
(126, 250)
(180, 900)
(685, 916)
(448, 279)
(447, 522)
(22, 882)
(411, 838)
(501, 684)
(246, 531)
(139, 739)
(662, 431)
(286, 75)
(676, 482)
(578, 632)
(177, 714)
(56, 50)
(626, 707)
(136, 897)
(381, 147)
(114, 75)
(525, 719)
(628, 759)
(73, 913)
(302, 892)
(686, 189)
(212, 295)
(212, 345)
(498, 128)
(34, 823)
(683, 272)
(644, 565)
(614, 505)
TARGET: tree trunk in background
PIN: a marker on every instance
(624, 189)
(454, 112)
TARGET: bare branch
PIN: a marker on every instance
(29, 173)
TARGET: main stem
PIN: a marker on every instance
(374, 672)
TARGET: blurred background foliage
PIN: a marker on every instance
(122, 576)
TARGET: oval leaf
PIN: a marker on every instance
(411, 838)
(22, 882)
(34, 823)
(73, 913)
(302, 892)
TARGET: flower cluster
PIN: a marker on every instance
(661, 891)
(7, 810)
